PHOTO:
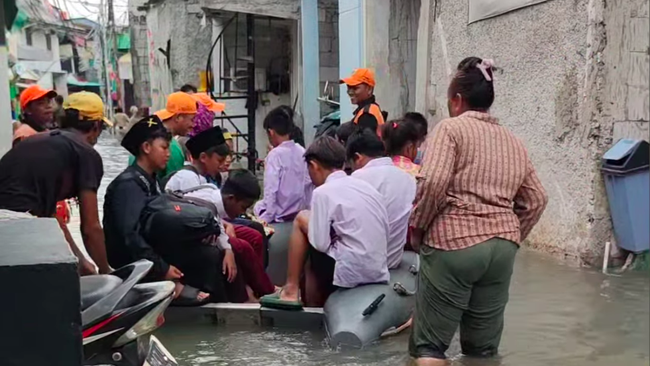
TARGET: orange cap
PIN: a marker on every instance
(34, 92)
(360, 76)
(177, 103)
(210, 104)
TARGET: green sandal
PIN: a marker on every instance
(273, 301)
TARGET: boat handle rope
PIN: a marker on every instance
(413, 269)
(401, 290)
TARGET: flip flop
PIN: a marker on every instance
(188, 297)
(273, 301)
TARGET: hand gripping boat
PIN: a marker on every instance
(358, 316)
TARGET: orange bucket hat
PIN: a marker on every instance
(177, 103)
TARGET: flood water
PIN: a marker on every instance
(557, 315)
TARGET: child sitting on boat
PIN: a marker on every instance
(403, 139)
(286, 183)
(195, 268)
(208, 150)
(367, 158)
(343, 237)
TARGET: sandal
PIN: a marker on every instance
(189, 297)
(273, 301)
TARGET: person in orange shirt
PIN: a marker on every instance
(361, 86)
(38, 112)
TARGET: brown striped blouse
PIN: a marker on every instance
(477, 183)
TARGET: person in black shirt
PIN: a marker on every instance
(198, 267)
(57, 165)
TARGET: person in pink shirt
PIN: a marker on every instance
(423, 129)
(402, 139)
(286, 181)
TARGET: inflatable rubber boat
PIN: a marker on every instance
(278, 252)
(358, 316)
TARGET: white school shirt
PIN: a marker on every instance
(398, 190)
(353, 211)
(186, 179)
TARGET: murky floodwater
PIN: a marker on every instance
(557, 315)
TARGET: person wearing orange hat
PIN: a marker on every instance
(361, 85)
(38, 115)
(61, 164)
(38, 112)
(178, 118)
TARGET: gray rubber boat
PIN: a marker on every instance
(386, 307)
(278, 251)
(344, 310)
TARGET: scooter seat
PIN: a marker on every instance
(94, 288)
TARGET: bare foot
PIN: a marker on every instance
(430, 362)
(290, 293)
(251, 296)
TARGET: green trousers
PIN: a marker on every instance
(467, 287)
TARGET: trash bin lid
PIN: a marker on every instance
(626, 155)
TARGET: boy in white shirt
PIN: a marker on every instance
(209, 150)
(367, 157)
(343, 236)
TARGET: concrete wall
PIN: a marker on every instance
(179, 22)
(139, 53)
(574, 77)
(328, 43)
(391, 28)
(139, 59)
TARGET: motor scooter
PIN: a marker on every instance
(118, 315)
(331, 121)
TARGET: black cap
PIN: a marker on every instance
(142, 131)
(205, 140)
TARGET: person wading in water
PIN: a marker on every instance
(479, 197)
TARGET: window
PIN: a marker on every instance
(28, 37)
(48, 41)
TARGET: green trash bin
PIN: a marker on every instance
(625, 168)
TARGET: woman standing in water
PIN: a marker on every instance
(478, 199)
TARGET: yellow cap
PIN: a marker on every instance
(89, 105)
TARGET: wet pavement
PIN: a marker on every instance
(557, 315)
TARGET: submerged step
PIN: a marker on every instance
(232, 314)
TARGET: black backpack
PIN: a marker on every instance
(170, 219)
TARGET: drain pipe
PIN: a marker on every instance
(606, 256)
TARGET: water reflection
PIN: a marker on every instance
(557, 315)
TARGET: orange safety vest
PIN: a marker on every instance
(373, 109)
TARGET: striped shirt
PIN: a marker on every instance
(477, 183)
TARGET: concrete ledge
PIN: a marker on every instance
(230, 314)
(35, 259)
